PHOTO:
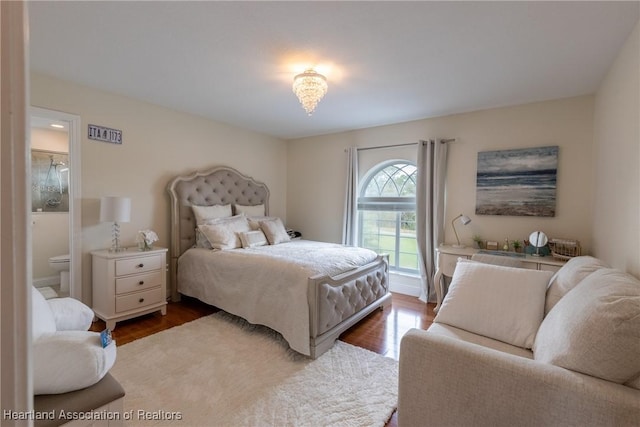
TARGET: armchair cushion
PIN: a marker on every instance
(503, 303)
(69, 360)
(595, 328)
(70, 314)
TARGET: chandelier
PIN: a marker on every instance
(309, 87)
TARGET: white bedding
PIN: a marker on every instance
(268, 284)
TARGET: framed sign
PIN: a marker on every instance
(519, 182)
(101, 133)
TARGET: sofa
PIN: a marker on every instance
(518, 347)
(71, 380)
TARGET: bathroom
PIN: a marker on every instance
(50, 206)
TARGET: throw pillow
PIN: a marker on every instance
(251, 239)
(595, 328)
(569, 276)
(503, 303)
(223, 234)
(204, 213)
(275, 231)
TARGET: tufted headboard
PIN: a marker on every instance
(218, 186)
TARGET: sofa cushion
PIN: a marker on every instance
(460, 334)
(569, 276)
(503, 303)
(70, 314)
(595, 328)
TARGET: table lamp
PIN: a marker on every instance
(464, 220)
(115, 209)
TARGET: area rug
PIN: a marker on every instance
(221, 371)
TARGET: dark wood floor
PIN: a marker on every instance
(379, 332)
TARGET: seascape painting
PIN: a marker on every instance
(518, 182)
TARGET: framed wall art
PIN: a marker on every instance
(49, 181)
(519, 182)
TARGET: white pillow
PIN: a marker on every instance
(595, 328)
(275, 231)
(204, 213)
(70, 360)
(70, 314)
(569, 276)
(250, 210)
(251, 239)
(201, 240)
(223, 234)
(43, 321)
(503, 303)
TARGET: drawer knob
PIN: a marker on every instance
(140, 265)
(141, 300)
(141, 282)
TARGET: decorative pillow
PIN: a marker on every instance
(254, 221)
(223, 234)
(595, 328)
(255, 210)
(503, 303)
(251, 239)
(43, 321)
(201, 240)
(275, 231)
(204, 213)
(70, 360)
(70, 314)
(569, 276)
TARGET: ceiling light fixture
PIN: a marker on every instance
(310, 87)
(57, 126)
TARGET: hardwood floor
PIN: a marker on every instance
(379, 332)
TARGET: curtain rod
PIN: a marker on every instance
(444, 141)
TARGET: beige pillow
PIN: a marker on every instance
(205, 213)
(499, 302)
(595, 328)
(250, 210)
(569, 276)
(251, 239)
(274, 230)
(223, 234)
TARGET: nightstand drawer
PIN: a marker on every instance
(138, 264)
(138, 300)
(138, 282)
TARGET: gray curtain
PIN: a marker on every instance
(432, 171)
(350, 221)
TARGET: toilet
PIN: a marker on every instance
(61, 263)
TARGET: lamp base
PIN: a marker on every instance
(459, 246)
(118, 249)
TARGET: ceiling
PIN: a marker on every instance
(386, 62)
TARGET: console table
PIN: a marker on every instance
(448, 257)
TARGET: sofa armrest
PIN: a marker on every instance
(444, 381)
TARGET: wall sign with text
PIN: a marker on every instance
(101, 133)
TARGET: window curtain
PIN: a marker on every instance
(432, 171)
(350, 222)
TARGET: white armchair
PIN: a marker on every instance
(66, 356)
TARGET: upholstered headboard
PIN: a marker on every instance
(218, 186)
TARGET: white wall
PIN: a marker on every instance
(317, 166)
(158, 144)
(616, 220)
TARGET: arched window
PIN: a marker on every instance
(387, 214)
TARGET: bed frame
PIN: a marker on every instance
(335, 303)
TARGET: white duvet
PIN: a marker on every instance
(268, 284)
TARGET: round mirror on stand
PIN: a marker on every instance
(538, 240)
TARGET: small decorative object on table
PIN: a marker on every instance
(564, 249)
(145, 239)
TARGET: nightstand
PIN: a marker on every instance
(129, 284)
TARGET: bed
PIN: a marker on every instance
(309, 303)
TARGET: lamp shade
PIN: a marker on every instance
(115, 209)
